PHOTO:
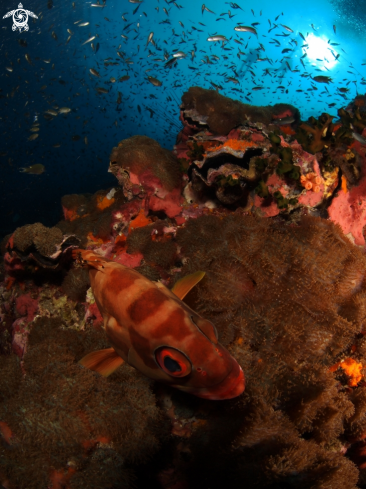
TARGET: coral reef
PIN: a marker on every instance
(90, 217)
(246, 199)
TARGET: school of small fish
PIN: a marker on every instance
(115, 71)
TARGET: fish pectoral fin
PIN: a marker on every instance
(185, 284)
(104, 361)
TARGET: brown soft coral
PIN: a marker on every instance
(62, 415)
(313, 136)
(222, 114)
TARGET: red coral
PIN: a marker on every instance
(349, 211)
(26, 306)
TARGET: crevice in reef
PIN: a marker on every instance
(223, 158)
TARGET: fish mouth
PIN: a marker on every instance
(232, 386)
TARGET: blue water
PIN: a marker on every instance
(65, 80)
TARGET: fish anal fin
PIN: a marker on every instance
(185, 284)
(104, 361)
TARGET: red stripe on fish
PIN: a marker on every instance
(152, 300)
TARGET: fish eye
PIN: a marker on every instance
(173, 362)
(206, 327)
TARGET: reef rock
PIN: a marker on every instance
(144, 169)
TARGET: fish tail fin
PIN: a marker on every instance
(104, 361)
(87, 257)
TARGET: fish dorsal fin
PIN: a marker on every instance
(185, 284)
(104, 361)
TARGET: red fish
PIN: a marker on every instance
(151, 329)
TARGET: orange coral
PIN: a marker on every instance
(104, 202)
(237, 144)
(351, 368)
(139, 221)
(287, 130)
(60, 478)
(92, 240)
(344, 184)
(70, 214)
(311, 181)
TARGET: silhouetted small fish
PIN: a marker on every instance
(322, 79)
(284, 121)
(154, 81)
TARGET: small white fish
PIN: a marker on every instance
(179, 54)
(89, 40)
(64, 110)
(33, 137)
(359, 138)
(51, 112)
(9, 68)
(245, 28)
(84, 24)
(149, 39)
(217, 38)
